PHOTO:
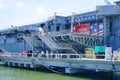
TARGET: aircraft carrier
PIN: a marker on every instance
(76, 36)
(74, 32)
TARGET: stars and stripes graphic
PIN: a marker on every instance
(96, 29)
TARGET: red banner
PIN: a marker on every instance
(83, 29)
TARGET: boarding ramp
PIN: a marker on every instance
(56, 46)
(48, 41)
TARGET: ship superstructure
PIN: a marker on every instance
(66, 34)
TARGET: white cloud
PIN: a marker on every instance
(41, 10)
(20, 5)
(10, 4)
(2, 6)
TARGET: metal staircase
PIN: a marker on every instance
(69, 43)
(28, 40)
(35, 44)
(47, 41)
(56, 46)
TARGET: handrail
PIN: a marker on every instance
(63, 56)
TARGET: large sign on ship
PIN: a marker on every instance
(83, 29)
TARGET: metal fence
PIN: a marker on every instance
(111, 57)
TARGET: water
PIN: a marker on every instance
(7, 73)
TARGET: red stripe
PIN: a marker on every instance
(99, 32)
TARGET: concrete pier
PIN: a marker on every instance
(70, 65)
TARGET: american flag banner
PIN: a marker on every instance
(101, 29)
(96, 29)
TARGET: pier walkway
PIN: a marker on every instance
(71, 63)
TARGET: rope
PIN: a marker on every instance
(55, 71)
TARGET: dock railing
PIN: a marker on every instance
(115, 57)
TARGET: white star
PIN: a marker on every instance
(86, 18)
(82, 18)
(93, 17)
(91, 27)
(101, 26)
(76, 20)
(95, 30)
(89, 17)
(95, 24)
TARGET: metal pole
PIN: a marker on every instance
(32, 43)
(55, 22)
(105, 31)
(24, 45)
(72, 22)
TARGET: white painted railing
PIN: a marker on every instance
(115, 57)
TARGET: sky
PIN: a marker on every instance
(23, 12)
